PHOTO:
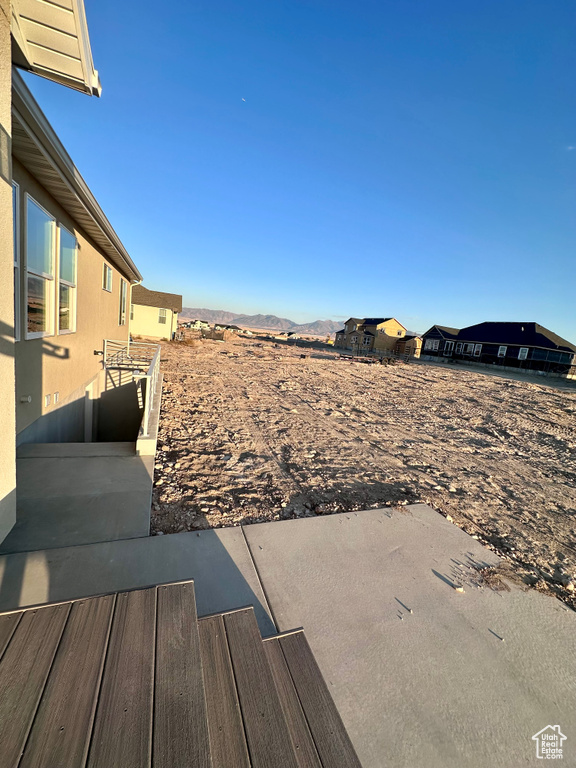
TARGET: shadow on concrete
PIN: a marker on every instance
(219, 562)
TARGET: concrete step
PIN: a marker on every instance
(67, 501)
(218, 560)
(74, 450)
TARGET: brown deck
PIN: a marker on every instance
(133, 679)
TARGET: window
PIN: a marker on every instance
(67, 282)
(122, 312)
(399, 333)
(366, 341)
(477, 350)
(468, 349)
(40, 228)
(16, 235)
(107, 278)
(502, 351)
(432, 344)
(354, 339)
(523, 353)
(448, 347)
(131, 311)
(162, 316)
(459, 347)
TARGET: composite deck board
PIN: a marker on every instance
(122, 734)
(267, 735)
(227, 738)
(180, 722)
(24, 669)
(61, 731)
(330, 736)
(8, 624)
(304, 748)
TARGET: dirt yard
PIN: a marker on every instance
(251, 432)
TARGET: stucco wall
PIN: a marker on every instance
(7, 428)
(65, 363)
(145, 322)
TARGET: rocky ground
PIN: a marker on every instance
(252, 432)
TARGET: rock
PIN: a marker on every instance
(452, 489)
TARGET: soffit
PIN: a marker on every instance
(37, 147)
(52, 41)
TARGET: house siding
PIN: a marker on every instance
(65, 363)
(146, 322)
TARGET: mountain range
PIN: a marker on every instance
(266, 322)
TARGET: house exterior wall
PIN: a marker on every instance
(65, 363)
(411, 346)
(7, 406)
(144, 321)
(387, 335)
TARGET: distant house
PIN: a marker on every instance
(520, 345)
(411, 344)
(154, 314)
(370, 334)
(293, 336)
(196, 325)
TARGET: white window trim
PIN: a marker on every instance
(162, 319)
(525, 355)
(17, 266)
(73, 285)
(468, 348)
(459, 347)
(107, 270)
(432, 344)
(51, 300)
(502, 350)
(448, 347)
(477, 350)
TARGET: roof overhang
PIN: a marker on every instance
(36, 145)
(51, 39)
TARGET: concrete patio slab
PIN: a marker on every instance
(65, 501)
(424, 676)
(218, 560)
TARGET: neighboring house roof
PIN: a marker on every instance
(410, 337)
(367, 333)
(376, 320)
(36, 145)
(445, 331)
(515, 334)
(342, 331)
(145, 298)
(52, 41)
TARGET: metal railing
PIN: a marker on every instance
(142, 361)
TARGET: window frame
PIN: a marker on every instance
(500, 352)
(433, 345)
(162, 318)
(525, 355)
(448, 347)
(477, 350)
(73, 286)
(122, 304)
(17, 261)
(107, 272)
(459, 347)
(468, 348)
(50, 279)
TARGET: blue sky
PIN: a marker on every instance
(322, 159)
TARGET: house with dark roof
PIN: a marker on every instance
(370, 334)
(519, 345)
(154, 314)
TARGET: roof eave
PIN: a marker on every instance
(55, 159)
